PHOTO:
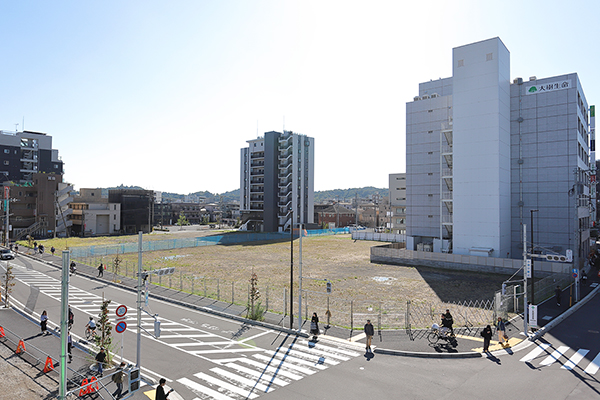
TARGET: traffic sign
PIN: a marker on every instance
(121, 326)
(121, 311)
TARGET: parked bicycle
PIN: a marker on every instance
(438, 333)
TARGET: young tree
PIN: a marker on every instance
(255, 311)
(182, 220)
(8, 284)
(116, 265)
(104, 336)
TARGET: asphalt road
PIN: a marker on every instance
(202, 356)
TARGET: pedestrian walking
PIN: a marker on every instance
(369, 331)
(52, 250)
(71, 317)
(44, 322)
(16, 248)
(117, 378)
(100, 358)
(557, 293)
(501, 329)
(486, 333)
(583, 278)
(314, 326)
(41, 248)
(160, 390)
(100, 270)
(448, 321)
(70, 347)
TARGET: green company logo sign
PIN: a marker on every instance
(549, 87)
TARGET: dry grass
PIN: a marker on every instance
(337, 258)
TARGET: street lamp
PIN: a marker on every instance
(532, 267)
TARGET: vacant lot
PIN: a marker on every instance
(357, 283)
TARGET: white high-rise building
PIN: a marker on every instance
(485, 155)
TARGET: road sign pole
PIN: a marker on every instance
(64, 331)
(139, 303)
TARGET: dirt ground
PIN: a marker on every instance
(359, 286)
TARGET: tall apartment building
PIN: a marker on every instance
(397, 196)
(25, 153)
(277, 181)
(484, 156)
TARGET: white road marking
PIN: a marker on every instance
(196, 386)
(226, 385)
(535, 352)
(574, 360)
(594, 366)
(556, 354)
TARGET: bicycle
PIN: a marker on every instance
(438, 333)
(89, 333)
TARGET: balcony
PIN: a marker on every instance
(257, 155)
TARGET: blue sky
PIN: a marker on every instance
(163, 94)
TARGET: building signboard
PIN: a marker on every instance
(548, 87)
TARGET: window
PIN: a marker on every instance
(6, 162)
(489, 56)
(114, 216)
(461, 63)
(6, 151)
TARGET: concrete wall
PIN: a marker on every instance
(392, 254)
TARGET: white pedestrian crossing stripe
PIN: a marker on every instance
(245, 372)
(247, 377)
(551, 355)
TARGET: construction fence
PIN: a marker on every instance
(223, 239)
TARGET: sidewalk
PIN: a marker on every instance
(467, 343)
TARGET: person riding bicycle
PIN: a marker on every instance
(447, 321)
(90, 326)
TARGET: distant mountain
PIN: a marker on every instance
(348, 194)
(234, 195)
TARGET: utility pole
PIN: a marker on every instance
(6, 207)
(139, 303)
(64, 331)
(525, 304)
(532, 253)
(356, 207)
(292, 270)
(577, 249)
(300, 283)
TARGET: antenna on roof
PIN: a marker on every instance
(16, 127)
(23, 126)
(284, 124)
(257, 129)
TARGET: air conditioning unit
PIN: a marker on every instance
(434, 95)
(416, 98)
(425, 97)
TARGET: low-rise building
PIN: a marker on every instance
(93, 215)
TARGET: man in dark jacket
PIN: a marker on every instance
(100, 358)
(447, 321)
(160, 390)
(369, 331)
(486, 333)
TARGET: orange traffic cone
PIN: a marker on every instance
(49, 366)
(2, 332)
(84, 389)
(20, 347)
(93, 388)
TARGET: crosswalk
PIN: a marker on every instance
(241, 369)
(249, 376)
(547, 355)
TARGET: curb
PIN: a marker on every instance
(469, 354)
